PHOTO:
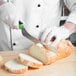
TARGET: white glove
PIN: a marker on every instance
(58, 33)
(8, 15)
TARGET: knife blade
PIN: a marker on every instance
(27, 35)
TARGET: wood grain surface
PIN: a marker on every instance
(63, 67)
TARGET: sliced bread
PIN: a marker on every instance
(14, 67)
(46, 56)
(29, 61)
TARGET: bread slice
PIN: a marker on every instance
(29, 61)
(14, 67)
(46, 56)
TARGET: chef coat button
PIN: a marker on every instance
(37, 26)
(14, 44)
(39, 5)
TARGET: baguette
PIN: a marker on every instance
(14, 67)
(29, 61)
(48, 55)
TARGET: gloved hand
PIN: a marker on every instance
(51, 36)
(9, 15)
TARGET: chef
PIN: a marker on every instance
(41, 19)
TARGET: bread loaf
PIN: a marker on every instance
(14, 67)
(48, 55)
(29, 61)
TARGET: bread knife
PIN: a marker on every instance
(26, 34)
(33, 39)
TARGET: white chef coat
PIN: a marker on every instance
(37, 16)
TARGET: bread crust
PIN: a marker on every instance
(29, 63)
(20, 71)
(65, 48)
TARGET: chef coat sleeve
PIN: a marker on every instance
(71, 4)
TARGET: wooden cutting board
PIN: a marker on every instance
(64, 67)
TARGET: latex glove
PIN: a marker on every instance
(9, 15)
(51, 36)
